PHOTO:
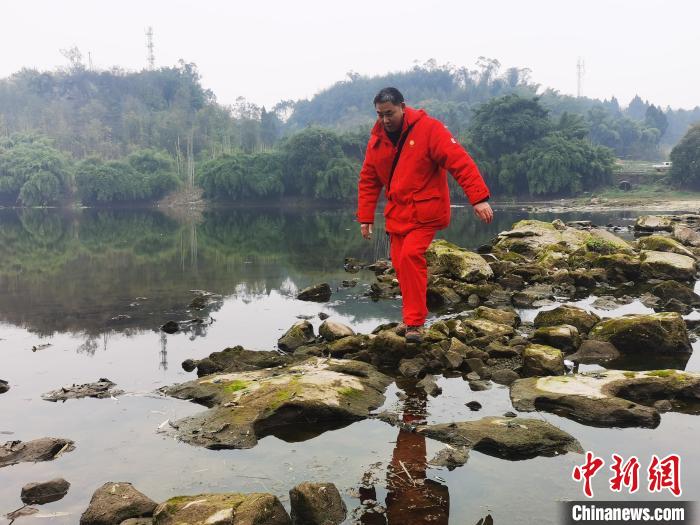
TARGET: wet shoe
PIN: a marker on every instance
(414, 334)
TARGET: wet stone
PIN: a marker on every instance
(44, 492)
(317, 293)
(101, 389)
(115, 502)
(43, 449)
(317, 504)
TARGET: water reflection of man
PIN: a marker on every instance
(407, 154)
(412, 498)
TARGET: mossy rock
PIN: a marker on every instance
(220, 509)
(501, 316)
(248, 405)
(667, 265)
(609, 398)
(659, 243)
(565, 337)
(506, 438)
(619, 266)
(663, 332)
(567, 314)
(543, 360)
(300, 333)
(449, 259)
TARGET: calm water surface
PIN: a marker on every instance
(69, 278)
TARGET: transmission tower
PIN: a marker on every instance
(149, 47)
(581, 70)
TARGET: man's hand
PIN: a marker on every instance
(484, 212)
(366, 230)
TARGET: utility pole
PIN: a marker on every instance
(581, 70)
(149, 47)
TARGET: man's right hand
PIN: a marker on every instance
(366, 230)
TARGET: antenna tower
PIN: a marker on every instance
(580, 70)
(149, 46)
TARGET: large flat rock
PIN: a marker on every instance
(222, 509)
(507, 438)
(309, 397)
(606, 399)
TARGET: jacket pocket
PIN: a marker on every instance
(428, 207)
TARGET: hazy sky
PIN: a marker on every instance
(272, 50)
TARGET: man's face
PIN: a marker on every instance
(390, 114)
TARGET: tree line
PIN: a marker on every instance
(110, 136)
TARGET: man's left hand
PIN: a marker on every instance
(484, 212)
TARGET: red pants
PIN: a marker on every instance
(408, 258)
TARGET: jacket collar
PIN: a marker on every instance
(410, 115)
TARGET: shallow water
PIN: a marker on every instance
(65, 275)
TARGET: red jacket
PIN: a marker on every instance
(418, 195)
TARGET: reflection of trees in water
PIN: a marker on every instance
(89, 346)
(91, 264)
(188, 247)
(92, 343)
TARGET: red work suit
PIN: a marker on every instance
(418, 200)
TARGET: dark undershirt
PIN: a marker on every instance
(394, 137)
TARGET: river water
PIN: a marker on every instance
(95, 285)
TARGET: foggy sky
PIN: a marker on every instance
(267, 51)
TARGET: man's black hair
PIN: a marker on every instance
(389, 94)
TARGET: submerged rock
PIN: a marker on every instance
(449, 259)
(450, 457)
(101, 389)
(319, 293)
(42, 449)
(314, 395)
(115, 502)
(317, 504)
(44, 492)
(663, 332)
(222, 509)
(606, 399)
(506, 438)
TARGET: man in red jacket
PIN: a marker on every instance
(407, 154)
